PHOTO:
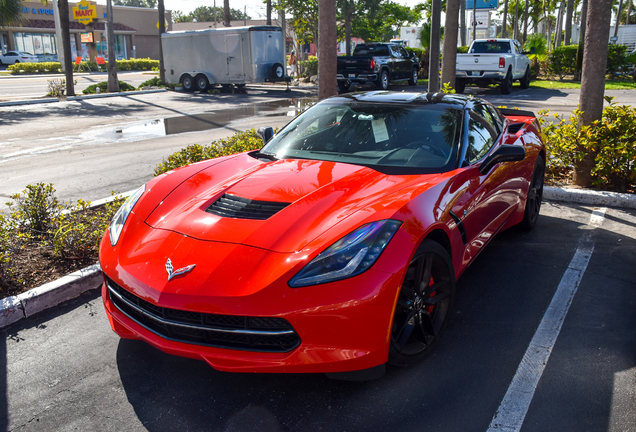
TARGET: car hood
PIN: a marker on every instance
(316, 196)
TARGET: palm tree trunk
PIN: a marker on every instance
(581, 49)
(618, 18)
(269, 12)
(525, 23)
(449, 55)
(568, 23)
(66, 42)
(327, 57)
(462, 21)
(593, 78)
(113, 82)
(226, 13)
(504, 24)
(433, 66)
(557, 36)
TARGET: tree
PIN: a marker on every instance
(10, 12)
(180, 17)
(504, 21)
(62, 6)
(162, 30)
(351, 10)
(207, 14)
(599, 13)
(226, 13)
(136, 3)
(113, 82)
(327, 49)
(386, 23)
(449, 54)
(568, 23)
(304, 18)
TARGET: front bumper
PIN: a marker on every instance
(334, 327)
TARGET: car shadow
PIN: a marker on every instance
(458, 387)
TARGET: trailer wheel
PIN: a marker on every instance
(202, 83)
(278, 72)
(187, 82)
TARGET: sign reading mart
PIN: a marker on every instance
(85, 12)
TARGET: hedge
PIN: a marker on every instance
(142, 64)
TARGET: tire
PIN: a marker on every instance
(506, 85)
(201, 83)
(187, 82)
(413, 79)
(460, 86)
(535, 196)
(343, 87)
(525, 80)
(16, 62)
(278, 72)
(383, 80)
(423, 309)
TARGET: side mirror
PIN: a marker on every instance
(266, 133)
(411, 54)
(505, 153)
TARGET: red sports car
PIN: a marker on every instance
(334, 248)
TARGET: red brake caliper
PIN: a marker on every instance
(429, 309)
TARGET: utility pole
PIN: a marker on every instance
(113, 82)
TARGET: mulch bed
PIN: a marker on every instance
(35, 265)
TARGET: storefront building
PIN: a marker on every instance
(136, 32)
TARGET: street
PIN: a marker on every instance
(66, 370)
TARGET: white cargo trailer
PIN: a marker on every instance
(200, 59)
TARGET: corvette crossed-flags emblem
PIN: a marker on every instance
(174, 273)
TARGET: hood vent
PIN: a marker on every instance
(233, 206)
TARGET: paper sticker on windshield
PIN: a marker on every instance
(379, 130)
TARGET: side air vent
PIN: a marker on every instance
(233, 206)
(515, 127)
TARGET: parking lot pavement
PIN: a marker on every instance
(66, 370)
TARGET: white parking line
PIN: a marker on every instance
(514, 406)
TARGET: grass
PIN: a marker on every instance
(617, 84)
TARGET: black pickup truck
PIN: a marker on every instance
(377, 63)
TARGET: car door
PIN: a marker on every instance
(397, 63)
(10, 57)
(485, 201)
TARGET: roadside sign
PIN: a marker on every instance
(85, 12)
(482, 4)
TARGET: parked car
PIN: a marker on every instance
(379, 64)
(13, 57)
(335, 247)
(493, 61)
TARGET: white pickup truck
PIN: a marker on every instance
(493, 61)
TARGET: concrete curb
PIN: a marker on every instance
(15, 308)
(590, 197)
(73, 98)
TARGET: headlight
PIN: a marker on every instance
(117, 224)
(349, 256)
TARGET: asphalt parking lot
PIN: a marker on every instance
(66, 370)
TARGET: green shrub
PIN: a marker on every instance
(562, 60)
(34, 208)
(611, 141)
(237, 143)
(152, 82)
(462, 49)
(418, 52)
(309, 66)
(76, 232)
(103, 87)
(30, 68)
(616, 58)
(55, 67)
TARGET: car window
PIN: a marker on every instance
(405, 54)
(487, 47)
(496, 115)
(486, 114)
(396, 52)
(377, 50)
(481, 137)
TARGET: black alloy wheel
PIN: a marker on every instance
(535, 195)
(383, 81)
(506, 85)
(188, 83)
(413, 79)
(525, 81)
(423, 306)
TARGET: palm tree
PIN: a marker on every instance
(10, 12)
(599, 13)
(449, 55)
(226, 13)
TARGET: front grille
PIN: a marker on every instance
(263, 334)
(242, 208)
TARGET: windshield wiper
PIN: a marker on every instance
(267, 156)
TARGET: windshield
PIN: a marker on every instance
(412, 138)
(490, 48)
